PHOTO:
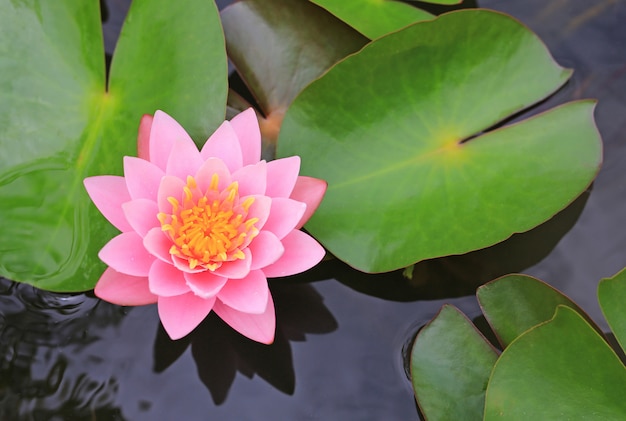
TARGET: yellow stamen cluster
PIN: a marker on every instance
(209, 228)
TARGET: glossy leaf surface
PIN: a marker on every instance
(279, 46)
(59, 123)
(450, 366)
(374, 18)
(515, 303)
(397, 130)
(612, 296)
(559, 370)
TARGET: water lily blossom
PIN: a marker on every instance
(202, 231)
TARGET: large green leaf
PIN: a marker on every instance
(515, 303)
(398, 131)
(374, 18)
(612, 296)
(560, 370)
(59, 123)
(450, 366)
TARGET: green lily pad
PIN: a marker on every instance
(450, 376)
(279, 46)
(59, 123)
(374, 18)
(612, 296)
(560, 370)
(515, 303)
(398, 131)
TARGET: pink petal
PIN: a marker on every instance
(141, 214)
(236, 269)
(170, 187)
(302, 252)
(258, 327)
(311, 191)
(143, 137)
(166, 281)
(266, 248)
(158, 244)
(205, 174)
(142, 178)
(252, 179)
(126, 254)
(163, 134)
(246, 127)
(284, 215)
(224, 144)
(108, 192)
(184, 159)
(183, 313)
(281, 176)
(205, 284)
(248, 295)
(182, 264)
(124, 290)
(260, 208)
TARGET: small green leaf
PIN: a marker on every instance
(374, 18)
(450, 366)
(280, 46)
(515, 303)
(560, 370)
(612, 298)
(60, 124)
(398, 131)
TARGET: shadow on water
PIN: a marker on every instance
(219, 352)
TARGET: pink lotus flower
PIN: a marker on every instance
(203, 230)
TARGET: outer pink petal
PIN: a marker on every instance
(260, 208)
(108, 192)
(302, 252)
(236, 269)
(207, 169)
(266, 248)
(183, 313)
(224, 144)
(124, 290)
(281, 176)
(246, 126)
(164, 132)
(126, 254)
(258, 327)
(310, 191)
(184, 159)
(248, 295)
(284, 215)
(252, 179)
(158, 244)
(143, 137)
(205, 284)
(170, 187)
(141, 214)
(166, 281)
(142, 178)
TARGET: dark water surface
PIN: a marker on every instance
(339, 352)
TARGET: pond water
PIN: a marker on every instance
(341, 338)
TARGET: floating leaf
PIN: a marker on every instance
(562, 369)
(612, 298)
(279, 46)
(450, 375)
(515, 303)
(374, 18)
(397, 130)
(59, 123)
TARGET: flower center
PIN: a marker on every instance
(209, 228)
